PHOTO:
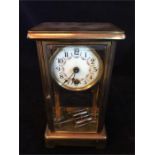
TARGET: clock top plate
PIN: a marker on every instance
(74, 30)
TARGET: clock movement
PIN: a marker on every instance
(76, 61)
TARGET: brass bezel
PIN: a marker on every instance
(51, 60)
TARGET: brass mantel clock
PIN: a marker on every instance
(75, 62)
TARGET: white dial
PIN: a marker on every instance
(76, 67)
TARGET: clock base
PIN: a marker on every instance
(97, 140)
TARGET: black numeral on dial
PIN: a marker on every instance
(61, 76)
(58, 68)
(66, 54)
(92, 61)
(95, 69)
(60, 60)
(76, 51)
(85, 82)
(91, 77)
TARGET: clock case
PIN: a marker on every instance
(99, 36)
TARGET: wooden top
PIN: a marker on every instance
(72, 30)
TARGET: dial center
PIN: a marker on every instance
(76, 69)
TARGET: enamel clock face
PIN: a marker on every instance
(76, 68)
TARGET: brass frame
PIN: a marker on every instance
(82, 88)
(82, 136)
(118, 35)
(93, 36)
(49, 92)
(47, 81)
